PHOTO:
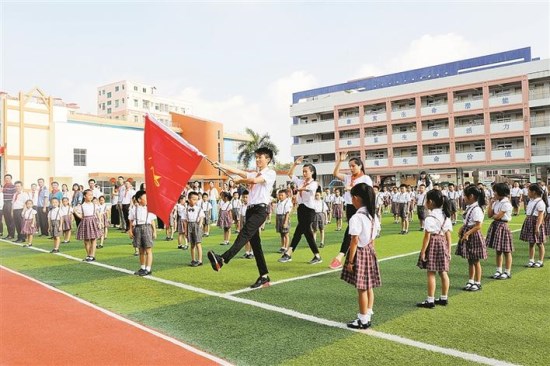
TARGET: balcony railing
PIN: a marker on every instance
(470, 156)
(516, 153)
(375, 117)
(404, 137)
(435, 134)
(469, 130)
(539, 94)
(505, 100)
(404, 113)
(540, 122)
(540, 151)
(501, 127)
(405, 160)
(374, 140)
(348, 121)
(436, 158)
(376, 163)
(465, 105)
(435, 109)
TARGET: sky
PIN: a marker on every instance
(239, 62)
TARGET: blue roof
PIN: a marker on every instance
(494, 60)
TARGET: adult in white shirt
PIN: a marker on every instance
(213, 196)
(129, 192)
(350, 180)
(258, 199)
(425, 179)
(516, 193)
(96, 192)
(18, 203)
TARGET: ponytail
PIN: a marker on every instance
(477, 193)
(366, 194)
(440, 201)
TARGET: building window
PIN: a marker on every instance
(108, 102)
(135, 118)
(219, 134)
(122, 100)
(100, 92)
(117, 88)
(103, 92)
(146, 104)
(144, 90)
(116, 103)
(108, 110)
(108, 94)
(103, 106)
(79, 157)
(122, 86)
(136, 103)
(135, 88)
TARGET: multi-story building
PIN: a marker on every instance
(486, 115)
(130, 101)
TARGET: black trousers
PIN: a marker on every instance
(42, 219)
(125, 212)
(9, 219)
(1, 222)
(255, 217)
(346, 240)
(306, 216)
(18, 220)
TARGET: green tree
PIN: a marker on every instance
(247, 148)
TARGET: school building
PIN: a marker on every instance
(466, 120)
(42, 136)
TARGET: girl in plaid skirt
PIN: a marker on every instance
(224, 218)
(361, 266)
(499, 236)
(180, 208)
(533, 230)
(28, 226)
(435, 254)
(471, 244)
(88, 229)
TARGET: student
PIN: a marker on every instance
(224, 217)
(357, 176)
(172, 224)
(516, 193)
(143, 232)
(361, 266)
(54, 223)
(420, 199)
(66, 212)
(329, 200)
(103, 220)
(435, 255)
(89, 229)
(403, 202)
(248, 253)
(338, 208)
(378, 202)
(260, 196)
(206, 207)
(387, 199)
(282, 218)
(395, 204)
(29, 222)
(453, 199)
(412, 203)
(75, 202)
(320, 219)
(306, 188)
(499, 236)
(533, 230)
(236, 210)
(181, 206)
(471, 244)
(193, 217)
(525, 196)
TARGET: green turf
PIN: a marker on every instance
(490, 323)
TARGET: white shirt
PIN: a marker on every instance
(142, 214)
(243, 209)
(206, 206)
(338, 200)
(19, 200)
(236, 203)
(420, 199)
(96, 192)
(395, 196)
(28, 214)
(54, 214)
(261, 192)
(1, 199)
(503, 205)
(473, 214)
(363, 226)
(453, 195)
(379, 200)
(403, 198)
(437, 223)
(305, 197)
(423, 181)
(88, 209)
(525, 192)
(548, 206)
(516, 192)
(127, 198)
(114, 200)
(535, 206)
(348, 182)
(193, 213)
(319, 206)
(225, 206)
(283, 207)
(66, 210)
(34, 197)
(102, 208)
(121, 192)
(180, 208)
(329, 198)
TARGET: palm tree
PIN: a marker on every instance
(247, 148)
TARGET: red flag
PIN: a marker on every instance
(169, 163)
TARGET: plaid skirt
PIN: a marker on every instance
(366, 274)
(224, 221)
(88, 229)
(474, 248)
(337, 211)
(55, 229)
(180, 227)
(319, 221)
(194, 233)
(28, 228)
(528, 233)
(499, 237)
(437, 255)
(279, 222)
(66, 223)
(547, 223)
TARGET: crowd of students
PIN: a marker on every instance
(246, 203)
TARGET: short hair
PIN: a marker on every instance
(40, 179)
(244, 193)
(191, 194)
(33, 184)
(265, 151)
(8, 175)
(17, 182)
(403, 185)
(422, 185)
(205, 194)
(54, 182)
(139, 194)
(281, 191)
(120, 176)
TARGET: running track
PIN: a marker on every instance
(40, 326)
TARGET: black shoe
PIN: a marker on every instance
(357, 324)
(54, 251)
(425, 304)
(145, 273)
(441, 302)
(180, 246)
(316, 260)
(216, 261)
(285, 258)
(7, 237)
(261, 282)
(139, 272)
(90, 259)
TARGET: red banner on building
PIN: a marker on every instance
(170, 161)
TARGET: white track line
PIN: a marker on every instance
(391, 337)
(124, 320)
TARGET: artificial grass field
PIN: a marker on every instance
(507, 320)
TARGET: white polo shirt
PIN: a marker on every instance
(305, 197)
(503, 205)
(261, 192)
(363, 226)
(348, 182)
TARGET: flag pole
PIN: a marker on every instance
(219, 168)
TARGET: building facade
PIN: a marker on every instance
(464, 120)
(130, 101)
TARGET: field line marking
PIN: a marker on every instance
(304, 277)
(124, 320)
(292, 313)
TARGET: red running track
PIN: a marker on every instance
(40, 326)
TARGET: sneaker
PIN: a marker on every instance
(282, 250)
(90, 259)
(426, 304)
(136, 254)
(316, 260)
(86, 259)
(505, 276)
(261, 282)
(285, 258)
(185, 247)
(180, 246)
(357, 324)
(193, 263)
(468, 286)
(54, 251)
(475, 287)
(250, 256)
(530, 264)
(139, 271)
(335, 264)
(539, 264)
(145, 273)
(198, 264)
(421, 229)
(497, 275)
(441, 302)
(216, 261)
(322, 245)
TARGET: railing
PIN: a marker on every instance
(540, 122)
(539, 94)
(540, 151)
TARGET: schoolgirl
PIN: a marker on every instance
(224, 217)
(499, 236)
(533, 229)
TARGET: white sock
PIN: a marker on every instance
(499, 269)
(148, 268)
(143, 267)
(443, 297)
(478, 283)
(430, 299)
(471, 282)
(364, 318)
